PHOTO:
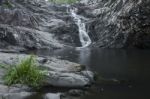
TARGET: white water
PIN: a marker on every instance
(83, 35)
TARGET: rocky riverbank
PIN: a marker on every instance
(61, 73)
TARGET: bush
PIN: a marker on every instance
(63, 1)
(27, 72)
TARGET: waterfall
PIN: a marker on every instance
(83, 35)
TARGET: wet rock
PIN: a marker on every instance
(76, 92)
(73, 94)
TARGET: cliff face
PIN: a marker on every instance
(118, 23)
(35, 24)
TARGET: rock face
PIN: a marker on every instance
(118, 23)
(35, 24)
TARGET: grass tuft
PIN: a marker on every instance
(26, 72)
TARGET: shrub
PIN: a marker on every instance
(26, 72)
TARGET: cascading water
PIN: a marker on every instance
(83, 35)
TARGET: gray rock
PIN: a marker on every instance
(76, 92)
(13, 92)
(20, 95)
(13, 89)
(67, 79)
(27, 38)
(4, 89)
(117, 23)
(61, 73)
(52, 96)
(36, 24)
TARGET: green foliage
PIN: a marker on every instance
(3, 66)
(27, 72)
(63, 1)
(7, 4)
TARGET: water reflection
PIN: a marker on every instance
(84, 56)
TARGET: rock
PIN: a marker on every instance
(13, 89)
(19, 88)
(52, 96)
(88, 74)
(14, 92)
(67, 79)
(76, 92)
(27, 38)
(117, 23)
(61, 73)
(36, 24)
(73, 94)
(62, 65)
(3, 89)
(20, 95)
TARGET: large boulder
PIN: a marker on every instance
(61, 73)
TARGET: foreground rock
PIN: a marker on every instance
(61, 73)
(14, 92)
(52, 96)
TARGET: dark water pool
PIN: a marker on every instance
(131, 67)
